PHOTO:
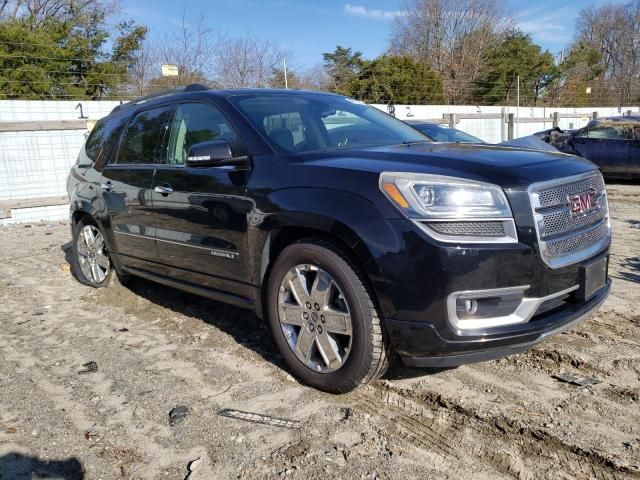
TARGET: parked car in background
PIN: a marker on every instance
(353, 234)
(445, 134)
(440, 133)
(612, 143)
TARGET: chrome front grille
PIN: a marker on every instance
(565, 237)
(557, 195)
(580, 241)
(559, 221)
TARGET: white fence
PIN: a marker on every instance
(34, 163)
(494, 130)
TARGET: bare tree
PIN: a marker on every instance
(315, 78)
(247, 62)
(452, 37)
(190, 48)
(614, 31)
(37, 11)
(145, 66)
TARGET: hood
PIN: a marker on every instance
(505, 166)
(529, 142)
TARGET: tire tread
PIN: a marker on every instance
(382, 353)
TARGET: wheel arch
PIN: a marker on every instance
(80, 209)
(78, 215)
(342, 236)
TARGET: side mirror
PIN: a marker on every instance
(85, 163)
(216, 153)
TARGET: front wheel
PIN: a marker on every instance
(90, 259)
(323, 318)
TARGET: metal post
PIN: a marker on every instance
(518, 111)
(594, 116)
(503, 124)
(628, 113)
(510, 127)
(452, 120)
(556, 122)
(286, 82)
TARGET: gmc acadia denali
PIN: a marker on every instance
(353, 234)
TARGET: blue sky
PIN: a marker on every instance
(310, 27)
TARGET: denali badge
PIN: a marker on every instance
(582, 202)
(225, 254)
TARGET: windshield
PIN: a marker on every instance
(298, 123)
(446, 134)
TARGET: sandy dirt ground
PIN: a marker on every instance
(156, 349)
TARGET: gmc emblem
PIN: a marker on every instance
(582, 202)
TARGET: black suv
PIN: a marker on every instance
(352, 233)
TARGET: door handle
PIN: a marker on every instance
(163, 189)
(107, 186)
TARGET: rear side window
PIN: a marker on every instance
(142, 140)
(102, 139)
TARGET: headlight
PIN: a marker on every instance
(452, 209)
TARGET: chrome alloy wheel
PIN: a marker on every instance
(315, 319)
(92, 254)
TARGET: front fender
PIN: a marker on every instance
(349, 218)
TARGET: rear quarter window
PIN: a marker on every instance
(102, 139)
(142, 140)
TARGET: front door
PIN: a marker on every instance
(201, 212)
(127, 182)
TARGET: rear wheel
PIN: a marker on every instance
(323, 318)
(90, 259)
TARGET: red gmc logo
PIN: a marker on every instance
(582, 202)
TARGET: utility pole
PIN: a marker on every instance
(518, 109)
(286, 82)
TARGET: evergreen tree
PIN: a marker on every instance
(396, 79)
(516, 55)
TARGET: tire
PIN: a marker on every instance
(90, 258)
(323, 318)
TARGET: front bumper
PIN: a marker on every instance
(421, 345)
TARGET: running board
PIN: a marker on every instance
(210, 293)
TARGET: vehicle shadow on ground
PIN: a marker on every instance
(243, 325)
(399, 371)
(630, 269)
(16, 466)
(67, 248)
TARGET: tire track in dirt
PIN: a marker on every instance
(437, 424)
(502, 419)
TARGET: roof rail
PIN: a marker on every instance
(194, 87)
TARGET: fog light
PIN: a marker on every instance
(486, 306)
(471, 306)
(472, 310)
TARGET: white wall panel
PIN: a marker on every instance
(36, 164)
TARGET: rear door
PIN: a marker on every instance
(127, 183)
(201, 213)
(606, 145)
